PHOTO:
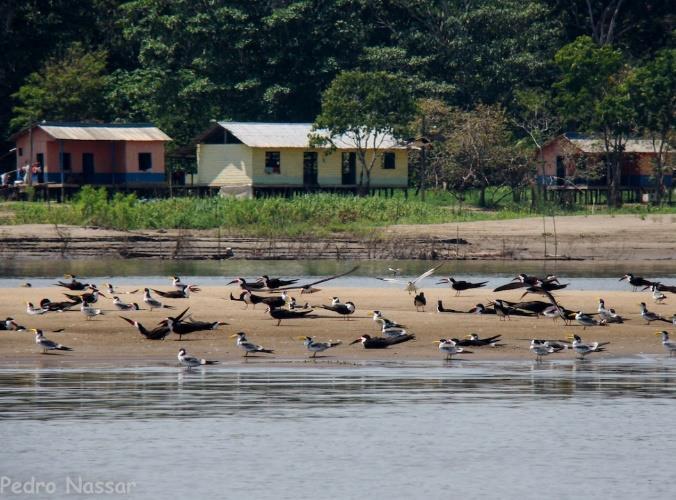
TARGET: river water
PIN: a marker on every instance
(597, 429)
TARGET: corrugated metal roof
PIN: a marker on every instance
(288, 135)
(593, 145)
(104, 132)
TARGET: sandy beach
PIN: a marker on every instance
(108, 339)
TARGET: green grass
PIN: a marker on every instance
(307, 215)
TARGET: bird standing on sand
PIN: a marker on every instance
(419, 301)
(585, 349)
(280, 313)
(125, 307)
(314, 347)
(247, 346)
(190, 361)
(89, 311)
(46, 344)
(636, 281)
(585, 320)
(669, 345)
(450, 348)
(34, 311)
(152, 302)
(658, 296)
(649, 316)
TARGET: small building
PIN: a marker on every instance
(564, 155)
(109, 154)
(253, 158)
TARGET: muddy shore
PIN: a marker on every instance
(621, 238)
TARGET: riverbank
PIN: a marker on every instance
(108, 339)
(597, 237)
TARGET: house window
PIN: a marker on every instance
(145, 161)
(388, 161)
(65, 161)
(272, 163)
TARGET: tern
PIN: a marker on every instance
(585, 349)
(586, 320)
(247, 346)
(540, 349)
(111, 290)
(46, 344)
(152, 302)
(450, 348)
(344, 310)
(669, 345)
(658, 296)
(314, 347)
(649, 316)
(89, 311)
(411, 285)
(190, 361)
(125, 307)
(34, 311)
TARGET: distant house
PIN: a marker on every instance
(260, 157)
(564, 154)
(85, 153)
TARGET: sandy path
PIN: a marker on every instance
(109, 339)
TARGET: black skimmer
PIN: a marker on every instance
(649, 316)
(10, 325)
(459, 285)
(245, 285)
(111, 290)
(344, 310)
(35, 311)
(249, 347)
(550, 283)
(411, 285)
(442, 309)
(586, 320)
(636, 282)
(74, 284)
(89, 298)
(89, 311)
(152, 302)
(382, 342)
(182, 327)
(658, 296)
(121, 306)
(160, 332)
(664, 288)
(535, 307)
(26, 285)
(65, 305)
(450, 348)
(314, 347)
(46, 344)
(310, 287)
(585, 349)
(190, 361)
(275, 283)
(279, 313)
(669, 345)
(249, 298)
(183, 293)
(419, 301)
(473, 340)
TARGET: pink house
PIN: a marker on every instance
(86, 153)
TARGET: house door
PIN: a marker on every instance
(88, 168)
(560, 170)
(41, 161)
(349, 168)
(310, 169)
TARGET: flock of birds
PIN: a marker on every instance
(281, 306)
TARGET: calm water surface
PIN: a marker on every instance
(598, 429)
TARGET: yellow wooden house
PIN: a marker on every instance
(252, 158)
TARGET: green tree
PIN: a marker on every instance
(70, 88)
(592, 94)
(364, 110)
(653, 91)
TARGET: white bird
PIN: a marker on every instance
(89, 311)
(584, 349)
(316, 347)
(46, 344)
(658, 296)
(125, 307)
(191, 361)
(34, 311)
(540, 349)
(669, 345)
(411, 285)
(450, 348)
(396, 271)
(112, 291)
(247, 346)
(602, 310)
(585, 320)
